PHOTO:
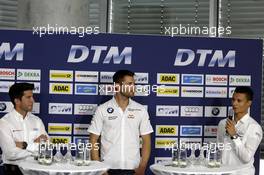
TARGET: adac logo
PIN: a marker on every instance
(60, 140)
(2, 107)
(110, 110)
(215, 111)
(168, 78)
(61, 88)
(166, 130)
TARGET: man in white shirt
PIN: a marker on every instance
(120, 122)
(243, 133)
(20, 131)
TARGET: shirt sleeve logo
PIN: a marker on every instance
(110, 110)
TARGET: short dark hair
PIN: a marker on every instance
(17, 90)
(245, 90)
(120, 74)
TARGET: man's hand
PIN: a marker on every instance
(140, 170)
(42, 136)
(19, 144)
(230, 127)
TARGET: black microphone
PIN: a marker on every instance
(230, 116)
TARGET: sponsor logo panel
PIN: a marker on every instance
(231, 91)
(192, 91)
(86, 89)
(106, 89)
(191, 130)
(216, 92)
(36, 89)
(168, 78)
(162, 159)
(60, 88)
(36, 108)
(142, 90)
(210, 130)
(7, 74)
(166, 130)
(60, 139)
(167, 110)
(29, 74)
(141, 78)
(84, 109)
(106, 77)
(215, 111)
(61, 75)
(191, 141)
(60, 128)
(6, 106)
(217, 80)
(82, 138)
(192, 79)
(5, 85)
(165, 142)
(191, 111)
(80, 129)
(239, 80)
(168, 91)
(210, 140)
(60, 108)
(86, 76)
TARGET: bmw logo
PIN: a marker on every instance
(2, 106)
(110, 110)
(215, 111)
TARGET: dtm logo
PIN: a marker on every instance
(185, 57)
(112, 53)
(9, 54)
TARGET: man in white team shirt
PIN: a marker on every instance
(243, 133)
(120, 122)
(20, 130)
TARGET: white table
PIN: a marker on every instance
(32, 167)
(166, 169)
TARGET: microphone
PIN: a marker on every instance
(230, 116)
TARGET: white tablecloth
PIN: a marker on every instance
(32, 167)
(164, 169)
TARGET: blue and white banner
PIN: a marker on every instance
(185, 82)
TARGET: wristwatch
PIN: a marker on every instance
(234, 137)
(24, 145)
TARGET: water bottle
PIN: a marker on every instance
(79, 158)
(86, 160)
(68, 156)
(175, 155)
(182, 156)
(41, 151)
(58, 157)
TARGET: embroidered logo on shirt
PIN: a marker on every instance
(130, 109)
(112, 117)
(16, 130)
(131, 116)
(2, 106)
(35, 129)
(110, 110)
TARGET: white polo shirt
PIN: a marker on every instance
(120, 131)
(244, 147)
(13, 128)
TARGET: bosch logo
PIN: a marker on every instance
(191, 109)
(2, 106)
(110, 110)
(215, 111)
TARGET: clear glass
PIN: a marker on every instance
(182, 157)
(68, 156)
(175, 155)
(80, 150)
(58, 157)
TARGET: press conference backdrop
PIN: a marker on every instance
(72, 75)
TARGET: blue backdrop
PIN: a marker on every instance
(200, 75)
